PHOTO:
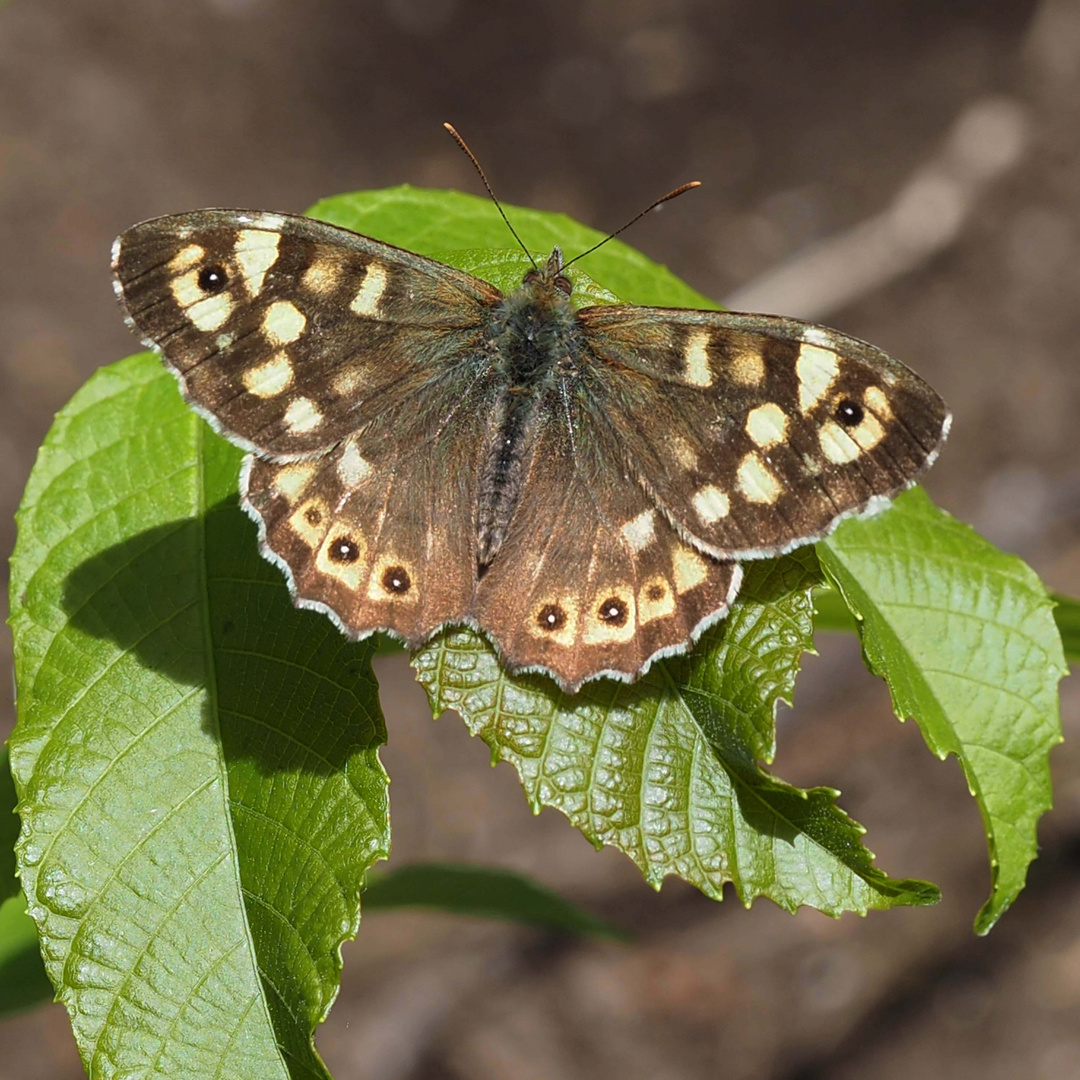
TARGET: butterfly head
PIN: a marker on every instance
(550, 276)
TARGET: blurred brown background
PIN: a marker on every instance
(907, 170)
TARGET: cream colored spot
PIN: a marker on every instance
(711, 504)
(655, 600)
(283, 322)
(290, 480)
(186, 258)
(615, 600)
(302, 416)
(206, 312)
(272, 222)
(309, 521)
(818, 335)
(746, 366)
(371, 291)
(541, 626)
(269, 379)
(350, 574)
(837, 445)
(256, 252)
(352, 467)
(869, 433)
(224, 341)
(756, 482)
(377, 589)
(322, 276)
(875, 399)
(696, 355)
(347, 382)
(767, 425)
(683, 452)
(640, 532)
(816, 369)
(841, 446)
(688, 568)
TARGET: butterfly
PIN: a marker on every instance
(580, 485)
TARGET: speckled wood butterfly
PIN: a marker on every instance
(578, 484)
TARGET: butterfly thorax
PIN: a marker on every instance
(536, 336)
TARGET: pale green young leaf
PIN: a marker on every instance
(965, 636)
(196, 760)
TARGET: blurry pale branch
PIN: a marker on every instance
(926, 216)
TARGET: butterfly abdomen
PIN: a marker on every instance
(536, 334)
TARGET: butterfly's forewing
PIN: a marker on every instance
(592, 579)
(288, 334)
(754, 433)
(381, 531)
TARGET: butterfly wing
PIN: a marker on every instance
(288, 334)
(380, 533)
(754, 433)
(591, 579)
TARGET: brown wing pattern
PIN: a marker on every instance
(754, 433)
(592, 579)
(381, 532)
(288, 334)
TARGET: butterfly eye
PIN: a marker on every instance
(343, 550)
(212, 279)
(849, 413)
(613, 611)
(530, 277)
(551, 617)
(564, 284)
(396, 580)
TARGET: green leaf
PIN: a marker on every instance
(666, 769)
(1067, 617)
(23, 982)
(196, 760)
(9, 829)
(964, 634)
(462, 230)
(833, 616)
(484, 892)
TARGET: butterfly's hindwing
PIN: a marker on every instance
(290, 334)
(381, 531)
(591, 577)
(756, 434)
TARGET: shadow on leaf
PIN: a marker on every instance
(197, 605)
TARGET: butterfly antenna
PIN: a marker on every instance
(476, 164)
(652, 206)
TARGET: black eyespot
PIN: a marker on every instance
(395, 579)
(212, 279)
(655, 593)
(551, 617)
(313, 516)
(849, 413)
(564, 285)
(613, 611)
(343, 550)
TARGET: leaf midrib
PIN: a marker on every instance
(202, 568)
